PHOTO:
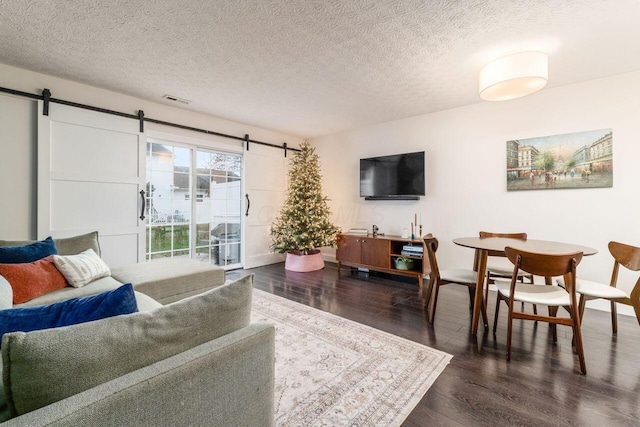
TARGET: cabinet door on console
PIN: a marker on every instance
(349, 249)
(375, 252)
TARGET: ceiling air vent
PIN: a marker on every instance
(176, 99)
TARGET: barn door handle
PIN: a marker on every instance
(144, 205)
(248, 205)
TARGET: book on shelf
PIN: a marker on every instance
(413, 254)
(414, 249)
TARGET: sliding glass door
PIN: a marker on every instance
(193, 211)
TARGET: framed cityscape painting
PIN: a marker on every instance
(572, 160)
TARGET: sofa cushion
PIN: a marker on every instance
(33, 279)
(77, 244)
(145, 302)
(79, 357)
(82, 268)
(168, 280)
(95, 287)
(6, 294)
(66, 246)
(70, 312)
(4, 409)
(29, 252)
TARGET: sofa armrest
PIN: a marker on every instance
(6, 294)
(226, 381)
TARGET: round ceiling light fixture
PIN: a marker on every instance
(514, 76)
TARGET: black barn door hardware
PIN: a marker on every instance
(47, 100)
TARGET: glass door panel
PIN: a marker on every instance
(194, 211)
(218, 213)
(168, 190)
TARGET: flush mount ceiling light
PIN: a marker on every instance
(514, 76)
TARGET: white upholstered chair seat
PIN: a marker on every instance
(596, 290)
(504, 271)
(535, 294)
(502, 267)
(459, 276)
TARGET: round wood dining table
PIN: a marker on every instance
(495, 245)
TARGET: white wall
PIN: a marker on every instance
(466, 173)
(18, 137)
(17, 161)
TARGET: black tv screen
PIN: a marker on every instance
(400, 176)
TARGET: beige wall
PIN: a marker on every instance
(466, 172)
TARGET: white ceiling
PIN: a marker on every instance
(311, 68)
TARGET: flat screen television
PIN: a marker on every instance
(396, 177)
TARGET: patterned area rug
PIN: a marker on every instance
(332, 371)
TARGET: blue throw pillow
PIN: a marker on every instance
(70, 312)
(29, 253)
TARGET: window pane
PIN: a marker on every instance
(180, 237)
(203, 185)
(203, 161)
(234, 166)
(182, 158)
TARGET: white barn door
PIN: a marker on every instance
(91, 169)
(265, 184)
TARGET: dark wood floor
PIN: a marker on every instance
(540, 386)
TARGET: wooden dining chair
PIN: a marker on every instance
(439, 278)
(553, 296)
(498, 266)
(629, 257)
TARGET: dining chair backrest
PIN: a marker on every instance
(627, 255)
(486, 234)
(547, 265)
(432, 246)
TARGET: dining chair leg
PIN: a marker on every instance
(427, 297)
(634, 300)
(535, 307)
(495, 317)
(614, 317)
(434, 301)
(581, 305)
(577, 336)
(484, 315)
(486, 291)
(553, 311)
(509, 329)
(472, 295)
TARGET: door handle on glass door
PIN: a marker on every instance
(248, 205)
(144, 205)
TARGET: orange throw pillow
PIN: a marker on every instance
(33, 279)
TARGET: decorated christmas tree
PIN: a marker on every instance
(303, 224)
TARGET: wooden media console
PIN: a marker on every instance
(378, 253)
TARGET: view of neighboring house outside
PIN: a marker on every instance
(172, 211)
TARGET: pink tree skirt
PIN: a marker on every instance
(304, 263)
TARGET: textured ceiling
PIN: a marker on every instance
(311, 68)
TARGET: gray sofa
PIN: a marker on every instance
(196, 361)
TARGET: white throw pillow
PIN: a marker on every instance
(82, 268)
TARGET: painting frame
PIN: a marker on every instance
(563, 161)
